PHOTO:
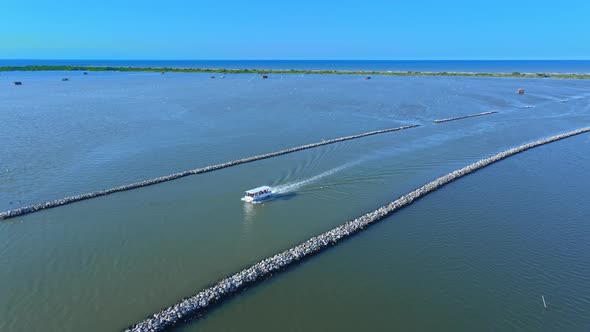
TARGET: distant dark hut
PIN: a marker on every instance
(85, 73)
(264, 76)
(520, 91)
(162, 72)
(17, 83)
(65, 79)
(368, 77)
(212, 77)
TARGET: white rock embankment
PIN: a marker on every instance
(465, 117)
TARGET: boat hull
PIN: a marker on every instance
(257, 199)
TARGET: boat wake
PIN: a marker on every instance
(291, 187)
(294, 186)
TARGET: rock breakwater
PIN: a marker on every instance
(63, 201)
(197, 304)
(465, 117)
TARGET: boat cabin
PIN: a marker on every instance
(258, 191)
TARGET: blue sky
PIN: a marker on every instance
(227, 29)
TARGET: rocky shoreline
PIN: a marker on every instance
(63, 201)
(195, 305)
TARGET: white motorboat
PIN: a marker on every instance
(257, 194)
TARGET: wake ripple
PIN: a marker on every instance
(294, 186)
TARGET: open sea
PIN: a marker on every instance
(476, 255)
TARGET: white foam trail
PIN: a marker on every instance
(377, 154)
(293, 186)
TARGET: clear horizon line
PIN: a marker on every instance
(140, 59)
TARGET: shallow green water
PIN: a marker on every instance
(476, 255)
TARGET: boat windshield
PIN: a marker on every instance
(262, 192)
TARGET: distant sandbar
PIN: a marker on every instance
(291, 71)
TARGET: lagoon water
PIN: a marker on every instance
(476, 255)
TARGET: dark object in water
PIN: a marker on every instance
(162, 72)
(85, 73)
(520, 91)
(17, 83)
(264, 76)
(65, 79)
(212, 77)
(368, 77)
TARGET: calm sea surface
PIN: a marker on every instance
(476, 255)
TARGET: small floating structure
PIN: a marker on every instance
(65, 79)
(85, 73)
(520, 91)
(17, 83)
(368, 77)
(264, 76)
(212, 77)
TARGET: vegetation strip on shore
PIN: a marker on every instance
(51, 204)
(288, 71)
(197, 304)
(465, 117)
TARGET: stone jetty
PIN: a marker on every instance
(465, 117)
(197, 304)
(63, 201)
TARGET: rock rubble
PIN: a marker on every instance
(465, 117)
